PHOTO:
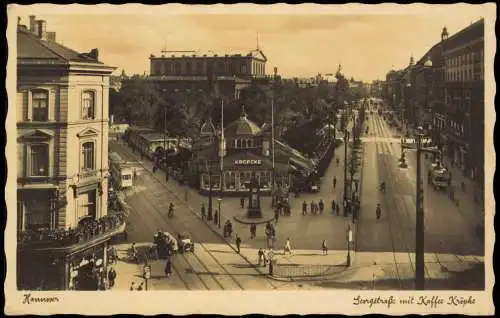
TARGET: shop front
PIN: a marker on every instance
(237, 173)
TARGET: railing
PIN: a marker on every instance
(63, 238)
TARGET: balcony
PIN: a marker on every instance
(87, 231)
(88, 175)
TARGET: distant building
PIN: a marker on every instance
(62, 161)
(191, 70)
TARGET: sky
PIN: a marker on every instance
(301, 43)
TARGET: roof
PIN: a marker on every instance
(242, 126)
(208, 128)
(29, 46)
(258, 54)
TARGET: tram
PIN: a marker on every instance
(121, 174)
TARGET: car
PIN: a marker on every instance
(185, 242)
(166, 239)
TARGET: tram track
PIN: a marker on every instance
(206, 227)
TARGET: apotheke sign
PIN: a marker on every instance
(248, 162)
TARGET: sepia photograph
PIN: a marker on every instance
(340, 152)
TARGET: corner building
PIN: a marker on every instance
(62, 160)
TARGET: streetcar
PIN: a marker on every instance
(121, 174)
(440, 177)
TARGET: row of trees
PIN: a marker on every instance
(144, 102)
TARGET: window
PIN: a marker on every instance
(37, 207)
(38, 160)
(40, 105)
(88, 105)
(188, 68)
(87, 205)
(87, 162)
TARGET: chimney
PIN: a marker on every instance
(51, 36)
(42, 30)
(94, 53)
(35, 28)
(32, 23)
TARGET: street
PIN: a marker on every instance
(448, 229)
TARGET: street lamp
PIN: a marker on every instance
(219, 200)
(419, 226)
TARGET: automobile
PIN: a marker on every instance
(166, 240)
(185, 242)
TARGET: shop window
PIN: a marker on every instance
(88, 153)
(40, 105)
(88, 105)
(230, 180)
(38, 160)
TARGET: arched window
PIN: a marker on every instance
(238, 143)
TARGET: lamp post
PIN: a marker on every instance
(219, 200)
(419, 224)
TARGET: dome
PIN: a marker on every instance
(242, 126)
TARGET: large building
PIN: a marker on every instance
(62, 163)
(246, 150)
(461, 124)
(191, 71)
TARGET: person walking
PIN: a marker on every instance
(203, 213)
(238, 243)
(216, 217)
(140, 286)
(111, 277)
(337, 208)
(334, 182)
(333, 206)
(304, 208)
(260, 254)
(253, 231)
(168, 267)
(276, 214)
(313, 207)
(242, 202)
(288, 247)
(378, 211)
(132, 286)
(321, 205)
(324, 247)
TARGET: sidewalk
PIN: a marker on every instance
(312, 265)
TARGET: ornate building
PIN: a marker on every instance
(62, 159)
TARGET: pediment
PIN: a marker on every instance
(88, 132)
(38, 134)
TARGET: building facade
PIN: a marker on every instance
(62, 159)
(461, 125)
(191, 71)
(246, 150)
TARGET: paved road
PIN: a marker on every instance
(448, 229)
(305, 232)
(213, 266)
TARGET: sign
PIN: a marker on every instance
(425, 140)
(147, 271)
(248, 162)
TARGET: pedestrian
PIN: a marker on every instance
(321, 205)
(345, 206)
(111, 277)
(288, 247)
(132, 286)
(378, 211)
(334, 182)
(242, 202)
(276, 214)
(333, 206)
(238, 243)
(216, 217)
(324, 247)
(140, 286)
(168, 267)
(304, 208)
(261, 256)
(253, 231)
(337, 208)
(356, 183)
(203, 214)
(313, 207)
